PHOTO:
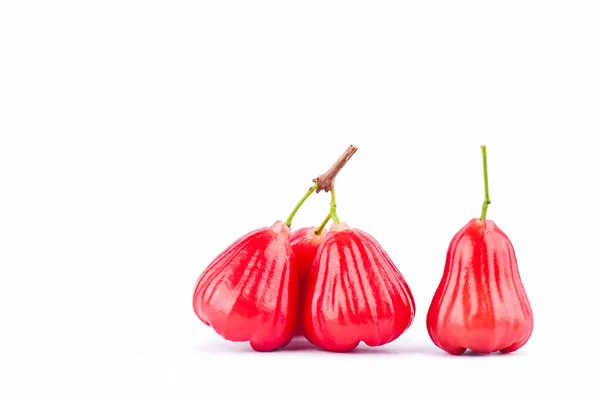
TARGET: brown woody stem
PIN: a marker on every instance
(326, 181)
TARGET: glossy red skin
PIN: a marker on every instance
(480, 303)
(354, 293)
(305, 244)
(250, 291)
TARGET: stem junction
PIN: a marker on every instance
(325, 182)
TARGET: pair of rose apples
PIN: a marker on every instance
(339, 287)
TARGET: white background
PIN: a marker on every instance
(140, 138)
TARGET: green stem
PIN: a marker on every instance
(288, 221)
(486, 201)
(322, 226)
(333, 207)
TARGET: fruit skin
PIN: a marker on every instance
(250, 291)
(480, 303)
(305, 244)
(354, 293)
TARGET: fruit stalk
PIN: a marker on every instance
(319, 230)
(288, 221)
(486, 201)
(333, 207)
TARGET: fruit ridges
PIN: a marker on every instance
(355, 293)
(480, 303)
(250, 291)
